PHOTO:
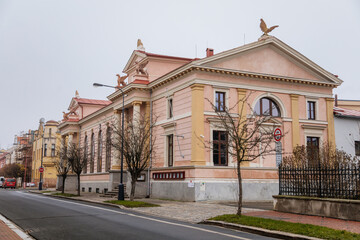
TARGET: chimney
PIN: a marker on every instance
(209, 52)
(336, 100)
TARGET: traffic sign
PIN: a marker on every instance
(277, 134)
(41, 169)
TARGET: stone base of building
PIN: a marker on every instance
(70, 183)
(253, 190)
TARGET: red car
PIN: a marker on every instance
(9, 183)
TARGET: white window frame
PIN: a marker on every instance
(223, 90)
(168, 130)
(168, 107)
(316, 100)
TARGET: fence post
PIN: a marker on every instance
(319, 194)
(280, 179)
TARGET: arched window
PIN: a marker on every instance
(267, 107)
(92, 156)
(99, 159)
(108, 149)
(85, 153)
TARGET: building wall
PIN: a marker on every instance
(347, 130)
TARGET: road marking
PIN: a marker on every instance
(144, 217)
(15, 229)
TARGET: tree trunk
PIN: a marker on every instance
(240, 189)
(133, 185)
(78, 184)
(63, 184)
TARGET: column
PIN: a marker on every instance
(197, 124)
(242, 111)
(115, 160)
(70, 139)
(330, 120)
(295, 120)
(136, 112)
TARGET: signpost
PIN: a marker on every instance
(41, 169)
(278, 145)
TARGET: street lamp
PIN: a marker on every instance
(121, 185)
(42, 122)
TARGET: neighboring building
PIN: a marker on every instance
(24, 153)
(3, 159)
(347, 130)
(45, 147)
(347, 104)
(177, 90)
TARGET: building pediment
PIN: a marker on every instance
(269, 57)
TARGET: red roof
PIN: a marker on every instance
(93, 101)
(343, 112)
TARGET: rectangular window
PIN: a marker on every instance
(311, 110)
(170, 108)
(219, 101)
(312, 147)
(53, 150)
(50, 133)
(220, 148)
(357, 148)
(45, 150)
(170, 155)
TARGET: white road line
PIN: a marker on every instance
(15, 229)
(147, 218)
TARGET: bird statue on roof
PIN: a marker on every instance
(141, 68)
(265, 29)
(121, 80)
(77, 94)
(140, 45)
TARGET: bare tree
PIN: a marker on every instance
(78, 161)
(62, 164)
(248, 135)
(137, 149)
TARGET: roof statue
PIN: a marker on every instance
(265, 29)
(140, 68)
(77, 94)
(121, 81)
(140, 45)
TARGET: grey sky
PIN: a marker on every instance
(49, 49)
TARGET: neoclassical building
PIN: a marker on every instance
(276, 79)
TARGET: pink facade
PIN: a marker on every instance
(178, 92)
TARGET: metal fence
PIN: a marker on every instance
(321, 181)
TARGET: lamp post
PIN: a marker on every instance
(121, 185)
(42, 122)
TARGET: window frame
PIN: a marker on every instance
(170, 150)
(220, 142)
(85, 153)
(357, 148)
(99, 155)
(45, 149)
(170, 108)
(312, 147)
(53, 150)
(311, 110)
(108, 150)
(218, 101)
(271, 103)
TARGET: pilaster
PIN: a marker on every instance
(330, 120)
(197, 124)
(295, 120)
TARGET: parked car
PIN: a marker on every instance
(2, 180)
(9, 183)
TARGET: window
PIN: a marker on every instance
(53, 150)
(311, 110)
(92, 151)
(220, 101)
(220, 148)
(312, 147)
(49, 132)
(108, 149)
(267, 107)
(170, 108)
(357, 148)
(99, 161)
(45, 150)
(85, 153)
(170, 148)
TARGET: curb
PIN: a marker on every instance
(259, 231)
(82, 200)
(15, 228)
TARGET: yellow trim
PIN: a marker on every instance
(330, 120)
(242, 110)
(197, 124)
(136, 103)
(115, 167)
(295, 120)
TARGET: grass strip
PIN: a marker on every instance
(132, 204)
(283, 226)
(65, 194)
(46, 191)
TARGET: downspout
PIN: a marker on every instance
(150, 164)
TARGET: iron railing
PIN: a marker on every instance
(320, 181)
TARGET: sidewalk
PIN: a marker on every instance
(196, 212)
(8, 231)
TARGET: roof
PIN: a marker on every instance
(343, 112)
(52, 122)
(165, 56)
(93, 101)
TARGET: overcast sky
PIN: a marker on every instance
(49, 49)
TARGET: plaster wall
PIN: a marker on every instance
(347, 131)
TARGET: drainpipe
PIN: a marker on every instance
(150, 164)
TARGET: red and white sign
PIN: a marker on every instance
(41, 169)
(277, 134)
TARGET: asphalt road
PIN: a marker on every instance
(52, 218)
